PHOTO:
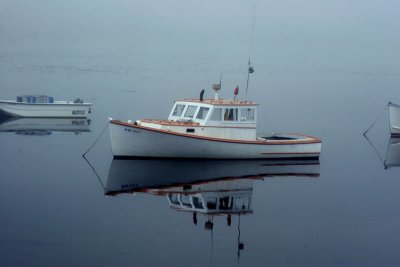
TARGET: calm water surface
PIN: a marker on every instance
(58, 211)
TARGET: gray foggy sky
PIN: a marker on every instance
(339, 33)
(278, 22)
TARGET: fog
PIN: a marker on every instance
(323, 68)
(338, 33)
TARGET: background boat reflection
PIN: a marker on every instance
(43, 126)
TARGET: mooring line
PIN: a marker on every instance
(88, 162)
(372, 125)
(95, 142)
(94, 170)
(376, 150)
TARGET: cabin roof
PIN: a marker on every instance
(220, 102)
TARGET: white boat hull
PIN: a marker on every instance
(130, 140)
(59, 109)
(394, 117)
(393, 153)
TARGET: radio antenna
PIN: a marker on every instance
(220, 80)
(250, 68)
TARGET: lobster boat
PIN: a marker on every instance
(207, 129)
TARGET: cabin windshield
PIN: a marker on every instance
(178, 110)
(202, 114)
(209, 114)
(190, 111)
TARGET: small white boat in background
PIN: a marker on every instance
(394, 117)
(44, 106)
(43, 126)
(207, 128)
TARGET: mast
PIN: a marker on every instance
(250, 68)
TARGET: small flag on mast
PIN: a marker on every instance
(236, 92)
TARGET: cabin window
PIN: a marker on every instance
(216, 115)
(202, 114)
(231, 114)
(178, 110)
(247, 114)
(190, 111)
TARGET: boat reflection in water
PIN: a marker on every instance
(393, 153)
(43, 126)
(209, 187)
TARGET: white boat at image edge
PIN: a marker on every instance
(44, 106)
(393, 153)
(207, 128)
(394, 117)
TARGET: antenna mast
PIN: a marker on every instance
(250, 68)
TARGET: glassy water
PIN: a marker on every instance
(60, 209)
(56, 210)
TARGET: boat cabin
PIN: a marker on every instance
(215, 112)
(228, 119)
